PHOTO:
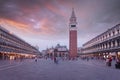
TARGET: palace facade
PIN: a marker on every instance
(12, 47)
(106, 43)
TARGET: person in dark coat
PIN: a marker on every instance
(117, 65)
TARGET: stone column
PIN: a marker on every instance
(111, 43)
(101, 46)
(116, 43)
(108, 45)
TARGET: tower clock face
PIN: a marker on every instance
(73, 25)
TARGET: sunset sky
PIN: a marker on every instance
(46, 22)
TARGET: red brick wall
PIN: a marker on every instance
(73, 43)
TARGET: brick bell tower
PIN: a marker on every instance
(72, 36)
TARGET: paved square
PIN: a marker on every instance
(64, 70)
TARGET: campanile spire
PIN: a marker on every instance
(73, 13)
(73, 18)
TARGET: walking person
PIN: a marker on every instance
(55, 56)
(35, 59)
(55, 60)
(87, 58)
(109, 61)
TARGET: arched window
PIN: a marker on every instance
(118, 31)
(113, 33)
(109, 34)
(106, 35)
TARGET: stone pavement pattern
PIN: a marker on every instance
(64, 70)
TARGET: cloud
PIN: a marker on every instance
(49, 19)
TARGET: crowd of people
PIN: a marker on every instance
(109, 59)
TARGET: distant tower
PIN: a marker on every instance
(73, 36)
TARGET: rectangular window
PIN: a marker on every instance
(73, 25)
